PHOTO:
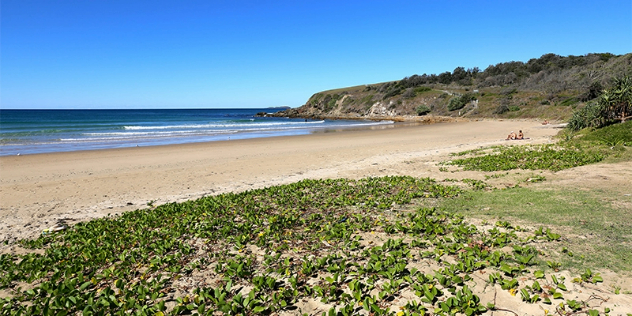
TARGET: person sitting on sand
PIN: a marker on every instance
(511, 136)
(546, 122)
(520, 135)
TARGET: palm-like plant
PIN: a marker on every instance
(616, 102)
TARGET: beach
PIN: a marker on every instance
(39, 191)
(57, 190)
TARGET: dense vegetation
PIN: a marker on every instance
(614, 104)
(551, 86)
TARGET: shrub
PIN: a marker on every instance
(330, 101)
(501, 109)
(594, 90)
(392, 92)
(422, 89)
(588, 116)
(615, 104)
(508, 91)
(366, 99)
(455, 104)
(422, 110)
(409, 94)
(514, 108)
(458, 102)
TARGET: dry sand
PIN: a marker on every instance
(36, 191)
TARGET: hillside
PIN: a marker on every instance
(550, 87)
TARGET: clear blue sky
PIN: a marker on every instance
(236, 53)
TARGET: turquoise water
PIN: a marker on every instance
(45, 131)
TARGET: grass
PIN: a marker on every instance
(613, 135)
(606, 242)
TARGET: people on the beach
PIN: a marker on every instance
(514, 136)
(546, 122)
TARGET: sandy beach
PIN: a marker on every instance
(37, 191)
(40, 191)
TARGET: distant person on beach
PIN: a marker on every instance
(520, 135)
(546, 122)
(511, 136)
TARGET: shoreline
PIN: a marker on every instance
(37, 191)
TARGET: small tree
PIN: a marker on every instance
(616, 102)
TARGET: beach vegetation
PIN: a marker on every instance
(354, 245)
(582, 213)
(534, 157)
(614, 104)
(612, 135)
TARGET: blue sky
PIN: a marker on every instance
(224, 54)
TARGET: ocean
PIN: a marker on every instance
(46, 131)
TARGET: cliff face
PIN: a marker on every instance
(548, 87)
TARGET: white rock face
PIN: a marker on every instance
(381, 109)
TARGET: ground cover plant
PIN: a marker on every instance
(354, 247)
(534, 157)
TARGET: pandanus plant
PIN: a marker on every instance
(616, 102)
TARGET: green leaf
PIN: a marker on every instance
(84, 286)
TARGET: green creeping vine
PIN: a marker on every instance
(265, 251)
(533, 157)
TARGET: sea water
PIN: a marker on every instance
(45, 131)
